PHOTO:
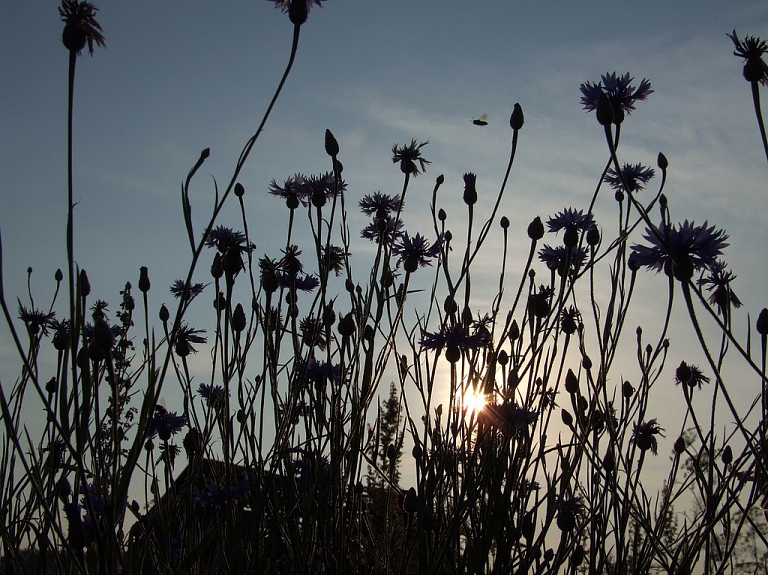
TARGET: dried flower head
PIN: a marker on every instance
(718, 281)
(80, 26)
(409, 156)
(645, 435)
(752, 50)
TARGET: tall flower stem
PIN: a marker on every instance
(759, 114)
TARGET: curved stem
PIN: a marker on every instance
(759, 114)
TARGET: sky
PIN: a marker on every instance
(177, 77)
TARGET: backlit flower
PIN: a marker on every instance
(294, 191)
(213, 394)
(165, 423)
(645, 435)
(618, 90)
(178, 288)
(37, 321)
(570, 218)
(409, 156)
(752, 50)
(80, 26)
(636, 176)
(690, 375)
(415, 252)
(683, 249)
(302, 282)
(382, 230)
(370, 205)
(719, 283)
(185, 337)
(556, 258)
(454, 338)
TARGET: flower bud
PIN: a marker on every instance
(604, 111)
(349, 285)
(504, 222)
(59, 275)
(679, 445)
(536, 229)
(51, 386)
(514, 331)
(727, 455)
(593, 236)
(627, 390)
(441, 215)
(144, 284)
(762, 322)
(331, 145)
(83, 285)
(297, 12)
(238, 318)
(571, 237)
(662, 162)
(586, 362)
(609, 462)
(571, 382)
(566, 417)
(439, 180)
(239, 190)
(164, 314)
(217, 269)
(470, 193)
(516, 120)
(205, 153)
(347, 325)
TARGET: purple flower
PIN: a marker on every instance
(177, 289)
(415, 252)
(645, 436)
(636, 176)
(752, 50)
(294, 190)
(285, 5)
(454, 338)
(302, 282)
(409, 156)
(719, 283)
(185, 337)
(213, 394)
(382, 230)
(165, 423)
(690, 375)
(215, 495)
(36, 321)
(619, 91)
(683, 249)
(323, 185)
(316, 372)
(570, 219)
(223, 238)
(555, 258)
(371, 204)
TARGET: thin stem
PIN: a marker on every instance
(759, 114)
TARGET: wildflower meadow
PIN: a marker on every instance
(374, 392)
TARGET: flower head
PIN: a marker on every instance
(569, 511)
(683, 249)
(645, 435)
(185, 337)
(718, 281)
(370, 205)
(409, 156)
(165, 423)
(570, 218)
(690, 375)
(294, 191)
(37, 321)
(223, 238)
(636, 176)
(454, 338)
(383, 230)
(415, 252)
(297, 9)
(302, 282)
(619, 92)
(80, 26)
(556, 258)
(752, 50)
(213, 394)
(179, 287)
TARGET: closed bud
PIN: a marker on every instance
(727, 455)
(59, 275)
(609, 462)
(566, 417)
(586, 362)
(440, 179)
(205, 153)
(662, 162)
(577, 555)
(679, 445)
(593, 236)
(514, 331)
(571, 237)
(504, 222)
(536, 229)
(217, 268)
(347, 325)
(448, 236)
(762, 322)
(571, 382)
(238, 318)
(144, 284)
(410, 501)
(627, 390)
(51, 386)
(516, 120)
(83, 285)
(470, 193)
(164, 314)
(349, 285)
(604, 110)
(331, 145)
(502, 358)
(239, 190)
(441, 215)
(103, 338)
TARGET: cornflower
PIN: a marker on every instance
(619, 91)
(178, 287)
(185, 337)
(380, 203)
(635, 175)
(645, 435)
(165, 423)
(681, 250)
(409, 156)
(454, 338)
(690, 374)
(555, 258)
(80, 26)
(415, 252)
(570, 218)
(36, 321)
(213, 394)
(751, 50)
(383, 230)
(294, 191)
(719, 283)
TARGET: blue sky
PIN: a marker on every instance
(177, 77)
